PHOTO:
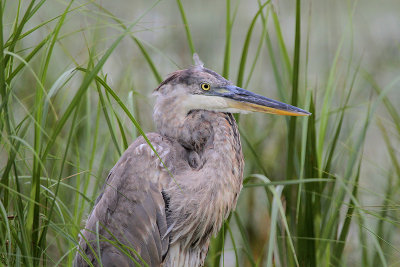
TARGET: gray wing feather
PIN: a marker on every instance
(130, 211)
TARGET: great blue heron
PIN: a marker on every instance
(164, 212)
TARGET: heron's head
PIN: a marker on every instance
(200, 88)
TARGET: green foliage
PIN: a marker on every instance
(73, 96)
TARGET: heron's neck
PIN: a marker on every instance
(223, 165)
(206, 194)
(222, 153)
(214, 185)
(213, 136)
(170, 117)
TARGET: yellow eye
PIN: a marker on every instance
(205, 86)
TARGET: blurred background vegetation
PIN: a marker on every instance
(76, 79)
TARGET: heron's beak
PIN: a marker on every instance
(240, 98)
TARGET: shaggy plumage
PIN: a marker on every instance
(166, 216)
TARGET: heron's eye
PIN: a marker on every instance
(205, 86)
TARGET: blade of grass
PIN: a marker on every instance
(218, 244)
(324, 112)
(291, 156)
(289, 238)
(5, 224)
(386, 101)
(187, 30)
(107, 117)
(341, 241)
(295, 84)
(277, 76)
(3, 91)
(328, 163)
(245, 50)
(282, 45)
(304, 136)
(17, 31)
(121, 128)
(146, 55)
(228, 34)
(234, 245)
(382, 230)
(246, 243)
(259, 46)
(273, 224)
(391, 149)
(24, 245)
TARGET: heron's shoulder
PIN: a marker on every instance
(154, 154)
(152, 137)
(155, 143)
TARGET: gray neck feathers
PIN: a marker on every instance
(214, 184)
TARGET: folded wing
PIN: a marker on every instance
(129, 217)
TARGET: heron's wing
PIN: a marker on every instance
(130, 213)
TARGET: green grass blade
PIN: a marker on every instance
(386, 101)
(3, 91)
(277, 76)
(273, 225)
(6, 232)
(245, 50)
(289, 239)
(324, 112)
(291, 156)
(295, 83)
(391, 149)
(259, 46)
(253, 152)
(218, 244)
(108, 120)
(153, 68)
(233, 244)
(186, 24)
(246, 243)
(382, 230)
(17, 31)
(121, 129)
(282, 45)
(146, 55)
(339, 246)
(228, 36)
